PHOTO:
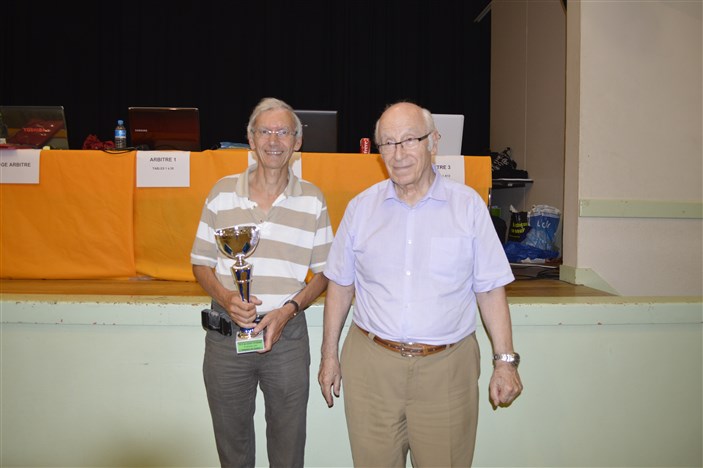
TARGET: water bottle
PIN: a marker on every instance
(120, 135)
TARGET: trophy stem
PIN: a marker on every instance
(242, 277)
(241, 272)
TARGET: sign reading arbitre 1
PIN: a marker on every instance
(365, 145)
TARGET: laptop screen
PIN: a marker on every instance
(164, 128)
(451, 129)
(35, 126)
(319, 130)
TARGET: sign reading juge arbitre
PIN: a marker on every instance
(19, 166)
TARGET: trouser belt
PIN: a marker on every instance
(407, 349)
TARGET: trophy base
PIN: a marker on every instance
(248, 343)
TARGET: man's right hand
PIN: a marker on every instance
(330, 379)
(242, 313)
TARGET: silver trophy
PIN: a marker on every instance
(237, 243)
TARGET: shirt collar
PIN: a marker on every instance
(437, 191)
(294, 187)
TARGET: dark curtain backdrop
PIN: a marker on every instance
(222, 57)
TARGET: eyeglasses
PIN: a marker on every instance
(266, 133)
(408, 144)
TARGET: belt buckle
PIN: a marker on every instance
(405, 352)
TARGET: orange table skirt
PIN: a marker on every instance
(76, 223)
(87, 219)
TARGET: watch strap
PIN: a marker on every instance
(295, 304)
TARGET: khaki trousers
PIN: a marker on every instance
(427, 406)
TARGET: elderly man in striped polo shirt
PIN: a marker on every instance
(295, 237)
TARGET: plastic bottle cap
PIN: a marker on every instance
(120, 122)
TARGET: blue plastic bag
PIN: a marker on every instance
(543, 221)
(518, 252)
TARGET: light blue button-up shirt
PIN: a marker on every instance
(416, 269)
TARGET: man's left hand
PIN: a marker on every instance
(274, 322)
(505, 384)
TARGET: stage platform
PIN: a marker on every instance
(527, 288)
(109, 373)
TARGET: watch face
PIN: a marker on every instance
(511, 358)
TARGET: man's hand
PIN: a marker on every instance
(273, 322)
(505, 384)
(330, 379)
(242, 313)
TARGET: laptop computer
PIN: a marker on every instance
(35, 126)
(451, 129)
(319, 130)
(164, 128)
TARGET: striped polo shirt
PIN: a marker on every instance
(295, 236)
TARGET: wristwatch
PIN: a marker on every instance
(513, 358)
(295, 304)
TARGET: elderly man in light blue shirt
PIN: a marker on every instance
(419, 254)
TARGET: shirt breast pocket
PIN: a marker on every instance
(450, 258)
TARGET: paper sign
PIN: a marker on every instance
(451, 167)
(296, 162)
(163, 169)
(19, 166)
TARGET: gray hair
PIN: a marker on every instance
(426, 116)
(269, 103)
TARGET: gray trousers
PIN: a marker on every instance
(231, 382)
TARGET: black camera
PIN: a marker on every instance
(217, 321)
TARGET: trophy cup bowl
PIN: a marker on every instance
(237, 243)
